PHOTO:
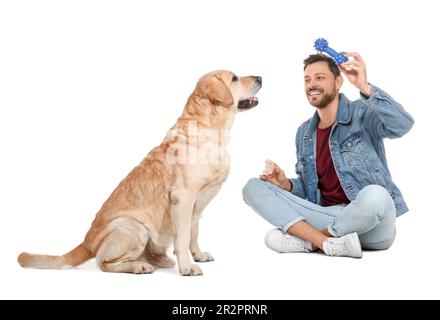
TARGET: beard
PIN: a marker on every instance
(324, 102)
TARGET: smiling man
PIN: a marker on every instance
(343, 199)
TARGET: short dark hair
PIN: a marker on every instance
(313, 58)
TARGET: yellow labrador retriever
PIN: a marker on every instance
(161, 200)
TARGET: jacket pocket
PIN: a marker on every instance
(353, 152)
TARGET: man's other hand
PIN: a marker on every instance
(275, 175)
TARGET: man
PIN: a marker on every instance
(343, 199)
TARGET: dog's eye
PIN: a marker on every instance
(234, 78)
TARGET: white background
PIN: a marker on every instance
(87, 88)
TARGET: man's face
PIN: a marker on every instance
(320, 85)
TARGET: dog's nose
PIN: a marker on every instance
(258, 80)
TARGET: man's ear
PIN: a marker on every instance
(216, 91)
(339, 82)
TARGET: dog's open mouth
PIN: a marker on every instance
(247, 103)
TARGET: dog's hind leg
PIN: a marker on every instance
(157, 256)
(123, 246)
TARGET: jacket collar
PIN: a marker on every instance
(343, 115)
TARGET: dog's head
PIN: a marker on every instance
(226, 89)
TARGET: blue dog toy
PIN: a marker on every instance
(321, 45)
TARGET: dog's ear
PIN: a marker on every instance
(216, 91)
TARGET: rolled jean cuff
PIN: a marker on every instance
(291, 223)
(332, 230)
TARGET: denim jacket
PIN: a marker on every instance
(356, 146)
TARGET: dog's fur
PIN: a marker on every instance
(161, 201)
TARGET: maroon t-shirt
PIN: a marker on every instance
(331, 189)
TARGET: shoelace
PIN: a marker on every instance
(337, 247)
(289, 240)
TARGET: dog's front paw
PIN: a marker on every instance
(202, 257)
(191, 270)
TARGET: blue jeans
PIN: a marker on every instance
(372, 214)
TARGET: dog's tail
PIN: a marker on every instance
(73, 258)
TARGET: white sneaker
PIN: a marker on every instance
(346, 246)
(286, 243)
